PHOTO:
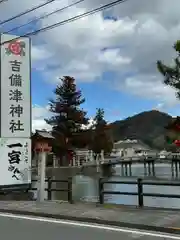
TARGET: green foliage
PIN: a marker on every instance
(169, 140)
(101, 139)
(172, 73)
(67, 116)
(99, 116)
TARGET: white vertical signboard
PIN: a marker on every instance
(15, 87)
(15, 111)
(15, 161)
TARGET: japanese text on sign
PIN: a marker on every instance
(15, 104)
(15, 95)
(14, 158)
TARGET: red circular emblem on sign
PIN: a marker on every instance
(15, 48)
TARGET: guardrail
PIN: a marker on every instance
(140, 194)
(50, 189)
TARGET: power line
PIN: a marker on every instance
(45, 16)
(26, 12)
(91, 12)
(75, 17)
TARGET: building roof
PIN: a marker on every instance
(43, 134)
(135, 144)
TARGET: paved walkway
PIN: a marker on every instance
(147, 219)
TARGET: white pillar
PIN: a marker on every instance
(74, 161)
(78, 160)
(102, 156)
(86, 157)
(91, 156)
(97, 162)
(41, 176)
(54, 161)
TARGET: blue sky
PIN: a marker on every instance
(111, 55)
(117, 104)
(97, 94)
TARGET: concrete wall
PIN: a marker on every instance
(65, 172)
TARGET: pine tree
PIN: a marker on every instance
(172, 78)
(172, 73)
(67, 117)
(101, 139)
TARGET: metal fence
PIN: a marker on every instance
(50, 188)
(139, 193)
(67, 188)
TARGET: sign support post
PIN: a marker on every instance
(41, 176)
(43, 148)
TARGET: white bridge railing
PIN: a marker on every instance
(88, 158)
(85, 158)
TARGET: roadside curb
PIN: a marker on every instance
(94, 221)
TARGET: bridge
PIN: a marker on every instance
(140, 159)
(90, 165)
(105, 165)
(88, 159)
(131, 160)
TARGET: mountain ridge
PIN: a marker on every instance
(147, 126)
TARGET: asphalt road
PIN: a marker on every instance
(28, 228)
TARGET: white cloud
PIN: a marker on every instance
(39, 124)
(150, 87)
(38, 115)
(39, 53)
(90, 124)
(113, 57)
(143, 33)
(159, 106)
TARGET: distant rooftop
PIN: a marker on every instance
(131, 143)
(43, 134)
(128, 141)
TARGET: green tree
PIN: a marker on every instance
(101, 139)
(172, 78)
(68, 117)
(172, 73)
